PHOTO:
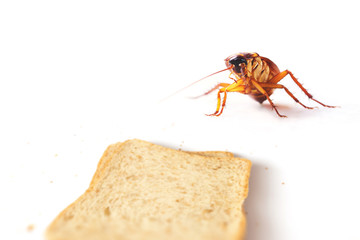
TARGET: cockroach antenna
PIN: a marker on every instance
(180, 90)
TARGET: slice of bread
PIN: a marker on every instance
(145, 191)
(114, 147)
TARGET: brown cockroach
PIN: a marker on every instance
(256, 76)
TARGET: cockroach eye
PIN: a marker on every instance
(236, 61)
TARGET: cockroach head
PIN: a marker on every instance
(238, 61)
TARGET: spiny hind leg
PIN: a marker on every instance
(262, 91)
(281, 75)
(270, 85)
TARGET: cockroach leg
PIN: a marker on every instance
(235, 87)
(219, 110)
(223, 103)
(217, 105)
(328, 106)
(270, 85)
(261, 90)
(281, 75)
(232, 78)
(213, 89)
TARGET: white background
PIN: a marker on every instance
(76, 76)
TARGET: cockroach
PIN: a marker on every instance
(255, 76)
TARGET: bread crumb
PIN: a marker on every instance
(266, 168)
(30, 227)
(282, 183)
(107, 211)
(181, 145)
